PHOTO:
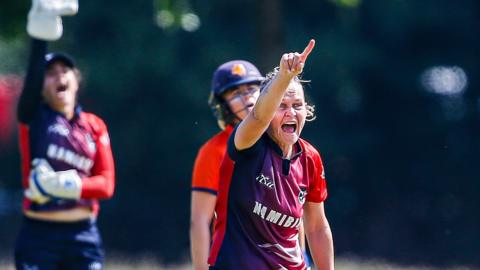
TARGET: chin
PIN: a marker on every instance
(290, 139)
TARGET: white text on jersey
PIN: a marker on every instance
(60, 153)
(275, 217)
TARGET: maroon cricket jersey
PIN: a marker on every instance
(260, 205)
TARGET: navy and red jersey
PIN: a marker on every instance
(81, 143)
(260, 205)
(206, 171)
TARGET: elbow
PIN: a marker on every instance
(107, 191)
(109, 188)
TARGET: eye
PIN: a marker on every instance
(283, 106)
(298, 106)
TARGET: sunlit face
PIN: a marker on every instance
(289, 119)
(60, 86)
(242, 99)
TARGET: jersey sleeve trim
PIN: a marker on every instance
(207, 190)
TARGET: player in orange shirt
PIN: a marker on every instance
(235, 89)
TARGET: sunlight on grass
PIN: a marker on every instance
(150, 263)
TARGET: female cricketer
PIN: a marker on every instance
(271, 179)
(67, 161)
(235, 89)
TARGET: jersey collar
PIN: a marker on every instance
(297, 147)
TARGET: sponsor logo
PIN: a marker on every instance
(265, 180)
(275, 217)
(104, 139)
(95, 266)
(239, 69)
(301, 195)
(58, 129)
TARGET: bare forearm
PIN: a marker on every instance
(199, 245)
(321, 248)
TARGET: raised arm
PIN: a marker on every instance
(258, 120)
(32, 87)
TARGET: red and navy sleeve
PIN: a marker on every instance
(317, 182)
(101, 183)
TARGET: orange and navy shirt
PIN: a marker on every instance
(206, 170)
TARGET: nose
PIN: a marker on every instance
(290, 111)
(249, 97)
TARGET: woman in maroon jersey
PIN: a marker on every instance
(276, 180)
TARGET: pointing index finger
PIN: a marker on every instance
(307, 50)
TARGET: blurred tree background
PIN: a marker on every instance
(395, 84)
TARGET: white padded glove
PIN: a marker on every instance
(33, 193)
(44, 21)
(62, 184)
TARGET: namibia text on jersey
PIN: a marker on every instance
(275, 217)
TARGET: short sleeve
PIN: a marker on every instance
(205, 175)
(235, 154)
(318, 184)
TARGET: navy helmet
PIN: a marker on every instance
(228, 76)
(234, 73)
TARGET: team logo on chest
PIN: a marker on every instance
(59, 129)
(265, 180)
(302, 194)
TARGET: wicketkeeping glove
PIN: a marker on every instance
(60, 185)
(33, 193)
(44, 21)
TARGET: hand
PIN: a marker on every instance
(62, 184)
(33, 193)
(292, 63)
(44, 21)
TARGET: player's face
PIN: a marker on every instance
(242, 99)
(289, 119)
(60, 86)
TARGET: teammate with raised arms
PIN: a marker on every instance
(67, 162)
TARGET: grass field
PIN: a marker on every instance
(340, 264)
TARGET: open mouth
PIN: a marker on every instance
(289, 127)
(61, 88)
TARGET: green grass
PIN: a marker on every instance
(149, 263)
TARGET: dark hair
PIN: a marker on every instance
(220, 110)
(310, 107)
